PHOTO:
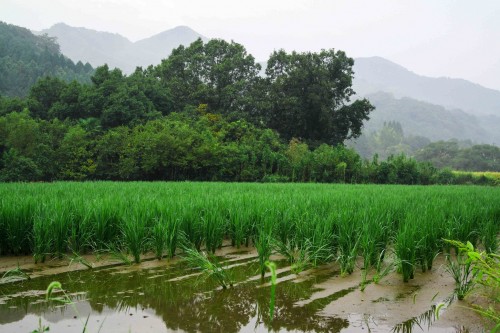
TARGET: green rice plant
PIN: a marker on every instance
(42, 238)
(430, 228)
(263, 244)
(489, 235)
(60, 220)
(406, 249)
(461, 271)
(240, 225)
(116, 251)
(134, 232)
(209, 265)
(486, 273)
(191, 226)
(347, 239)
(272, 268)
(81, 229)
(289, 250)
(75, 257)
(372, 243)
(17, 220)
(381, 269)
(213, 227)
(159, 237)
(104, 219)
(173, 227)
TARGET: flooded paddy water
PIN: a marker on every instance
(169, 296)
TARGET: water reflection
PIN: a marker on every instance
(181, 304)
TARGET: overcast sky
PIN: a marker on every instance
(453, 38)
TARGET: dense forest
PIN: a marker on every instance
(24, 58)
(205, 113)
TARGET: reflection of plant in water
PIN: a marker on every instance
(423, 321)
(41, 328)
(272, 268)
(53, 287)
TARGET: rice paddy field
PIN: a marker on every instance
(192, 257)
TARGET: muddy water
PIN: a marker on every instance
(167, 296)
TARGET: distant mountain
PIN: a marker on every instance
(99, 48)
(432, 121)
(378, 74)
(25, 57)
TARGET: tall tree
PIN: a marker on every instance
(309, 97)
(218, 73)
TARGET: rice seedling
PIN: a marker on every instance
(381, 269)
(462, 272)
(209, 265)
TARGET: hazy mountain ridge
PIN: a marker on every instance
(432, 121)
(376, 74)
(99, 48)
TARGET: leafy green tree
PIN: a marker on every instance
(76, 156)
(218, 74)
(43, 95)
(309, 95)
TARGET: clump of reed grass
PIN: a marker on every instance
(209, 266)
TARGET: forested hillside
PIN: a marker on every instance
(24, 58)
